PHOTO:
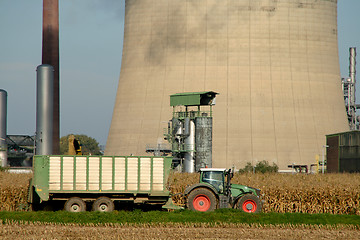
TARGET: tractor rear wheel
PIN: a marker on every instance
(75, 204)
(249, 203)
(202, 200)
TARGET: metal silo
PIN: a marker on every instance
(203, 148)
(44, 109)
(274, 62)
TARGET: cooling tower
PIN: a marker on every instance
(274, 62)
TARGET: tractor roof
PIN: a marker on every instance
(212, 169)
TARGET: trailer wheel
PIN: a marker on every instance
(249, 203)
(75, 204)
(103, 204)
(202, 200)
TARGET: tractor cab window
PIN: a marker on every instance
(215, 178)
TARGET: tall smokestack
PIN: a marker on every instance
(50, 55)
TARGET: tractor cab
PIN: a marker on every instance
(216, 178)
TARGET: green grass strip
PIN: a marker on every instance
(186, 216)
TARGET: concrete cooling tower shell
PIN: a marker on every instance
(274, 62)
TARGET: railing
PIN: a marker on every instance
(158, 147)
(192, 114)
(176, 147)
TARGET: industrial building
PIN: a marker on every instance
(343, 152)
(274, 63)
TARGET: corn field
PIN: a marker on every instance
(287, 193)
(13, 191)
(283, 193)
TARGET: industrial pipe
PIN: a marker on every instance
(189, 157)
(3, 117)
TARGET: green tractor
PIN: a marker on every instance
(215, 191)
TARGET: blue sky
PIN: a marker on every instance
(91, 33)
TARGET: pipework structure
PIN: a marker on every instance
(275, 63)
(190, 130)
(349, 90)
(3, 128)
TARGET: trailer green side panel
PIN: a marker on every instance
(101, 174)
(40, 180)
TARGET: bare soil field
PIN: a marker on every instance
(25, 230)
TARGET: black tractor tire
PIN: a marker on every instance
(75, 204)
(202, 199)
(249, 203)
(103, 204)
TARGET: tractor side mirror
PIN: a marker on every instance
(230, 173)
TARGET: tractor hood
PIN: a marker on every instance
(237, 189)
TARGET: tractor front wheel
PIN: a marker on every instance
(249, 203)
(202, 200)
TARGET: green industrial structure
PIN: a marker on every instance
(190, 130)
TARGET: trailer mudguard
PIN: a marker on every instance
(237, 191)
(30, 196)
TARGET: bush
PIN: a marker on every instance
(261, 167)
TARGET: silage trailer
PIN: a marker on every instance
(99, 181)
